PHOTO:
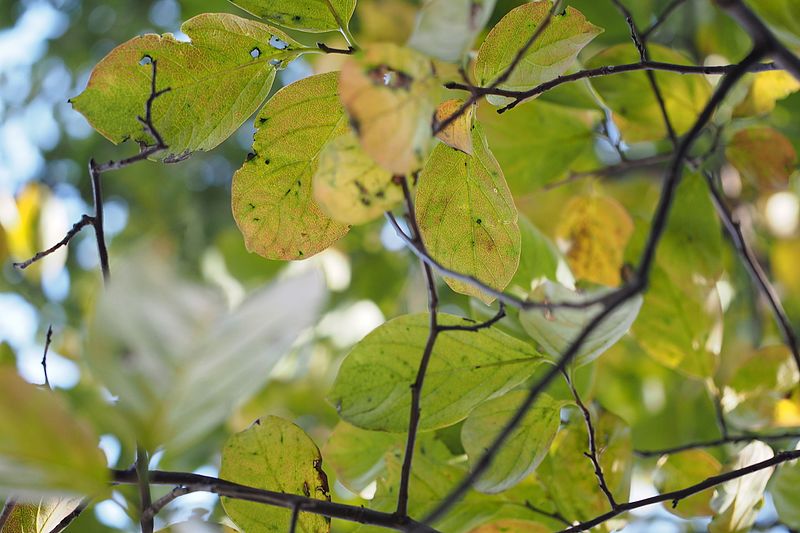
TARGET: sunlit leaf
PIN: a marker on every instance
(446, 29)
(372, 389)
(274, 454)
(41, 517)
(271, 193)
(350, 187)
(306, 15)
(459, 133)
(553, 52)
(467, 216)
(763, 155)
(523, 450)
(216, 82)
(766, 88)
(680, 470)
(555, 330)
(44, 449)
(387, 91)
(357, 455)
(784, 493)
(737, 502)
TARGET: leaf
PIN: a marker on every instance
(553, 52)
(737, 502)
(782, 15)
(387, 91)
(42, 517)
(682, 469)
(523, 450)
(762, 155)
(271, 193)
(784, 493)
(45, 449)
(537, 143)
(767, 88)
(511, 525)
(467, 368)
(274, 454)
(216, 82)
(467, 216)
(446, 29)
(458, 134)
(357, 455)
(596, 229)
(305, 15)
(153, 333)
(539, 257)
(350, 187)
(555, 330)
(631, 99)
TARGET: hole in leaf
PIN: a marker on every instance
(145, 60)
(275, 62)
(255, 52)
(394, 79)
(278, 43)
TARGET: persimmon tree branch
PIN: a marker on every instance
(730, 439)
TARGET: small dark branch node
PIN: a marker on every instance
(330, 50)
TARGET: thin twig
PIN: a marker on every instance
(150, 512)
(67, 520)
(662, 18)
(47, 341)
(85, 220)
(295, 518)
(613, 170)
(731, 439)
(554, 515)
(501, 312)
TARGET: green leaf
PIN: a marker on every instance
(388, 93)
(523, 450)
(537, 143)
(738, 501)
(631, 99)
(682, 469)
(782, 15)
(511, 524)
(763, 155)
(372, 389)
(784, 493)
(555, 330)
(44, 449)
(216, 82)
(42, 517)
(357, 455)
(553, 52)
(274, 454)
(305, 15)
(190, 342)
(539, 257)
(467, 216)
(271, 193)
(446, 29)
(350, 187)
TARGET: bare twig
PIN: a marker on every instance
(74, 230)
(501, 312)
(150, 512)
(554, 515)
(47, 341)
(731, 439)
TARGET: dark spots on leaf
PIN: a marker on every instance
(267, 161)
(263, 120)
(146, 60)
(251, 156)
(287, 191)
(297, 18)
(257, 422)
(300, 254)
(256, 219)
(255, 53)
(380, 194)
(388, 77)
(479, 221)
(252, 206)
(299, 183)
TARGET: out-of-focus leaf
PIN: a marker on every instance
(680, 470)
(630, 97)
(510, 524)
(42, 517)
(387, 91)
(763, 155)
(271, 193)
(357, 455)
(523, 450)
(350, 187)
(459, 133)
(446, 29)
(216, 82)
(44, 449)
(550, 55)
(555, 330)
(766, 88)
(736, 502)
(198, 526)
(784, 493)
(467, 216)
(467, 367)
(783, 15)
(305, 15)
(274, 454)
(596, 229)
(784, 258)
(153, 333)
(539, 257)
(387, 21)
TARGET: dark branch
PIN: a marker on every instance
(85, 220)
(295, 518)
(731, 439)
(501, 312)
(150, 512)
(67, 520)
(47, 342)
(662, 18)
(330, 50)
(613, 170)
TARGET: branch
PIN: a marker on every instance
(67, 520)
(330, 50)
(678, 495)
(294, 519)
(200, 483)
(47, 342)
(74, 230)
(662, 18)
(731, 439)
(612, 170)
(479, 325)
(142, 469)
(154, 508)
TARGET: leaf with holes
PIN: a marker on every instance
(446, 29)
(271, 194)
(305, 15)
(550, 55)
(276, 455)
(388, 93)
(216, 82)
(372, 389)
(467, 216)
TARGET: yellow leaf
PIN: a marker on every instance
(21, 238)
(787, 412)
(762, 154)
(458, 133)
(784, 258)
(766, 89)
(387, 91)
(596, 229)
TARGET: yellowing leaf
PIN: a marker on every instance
(446, 29)
(554, 51)
(511, 525)
(784, 258)
(349, 186)
(467, 216)
(22, 237)
(596, 229)
(274, 454)
(737, 502)
(305, 15)
(679, 470)
(387, 93)
(787, 412)
(388, 21)
(271, 194)
(763, 155)
(458, 134)
(765, 90)
(216, 82)
(42, 517)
